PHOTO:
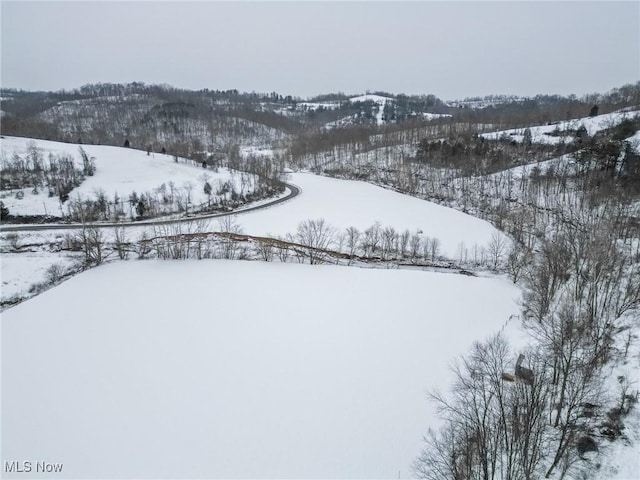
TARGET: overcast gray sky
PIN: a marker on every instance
(450, 49)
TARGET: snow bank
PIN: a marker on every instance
(236, 369)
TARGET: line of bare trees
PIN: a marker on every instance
(315, 241)
(168, 198)
(57, 174)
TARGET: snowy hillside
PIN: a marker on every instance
(345, 203)
(380, 103)
(237, 369)
(22, 272)
(377, 99)
(118, 173)
(565, 131)
(484, 102)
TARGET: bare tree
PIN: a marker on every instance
(265, 249)
(92, 241)
(517, 260)
(371, 240)
(434, 248)
(230, 228)
(142, 246)
(403, 243)
(415, 244)
(388, 241)
(352, 242)
(120, 243)
(283, 249)
(168, 241)
(316, 236)
(497, 247)
(54, 273)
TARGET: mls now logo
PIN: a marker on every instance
(26, 467)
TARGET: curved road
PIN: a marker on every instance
(293, 192)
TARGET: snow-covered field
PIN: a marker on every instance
(345, 203)
(342, 203)
(225, 369)
(543, 133)
(118, 170)
(19, 272)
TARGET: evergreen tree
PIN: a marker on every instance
(4, 212)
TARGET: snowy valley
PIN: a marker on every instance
(372, 286)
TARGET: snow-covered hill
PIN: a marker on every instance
(224, 369)
(345, 203)
(380, 118)
(565, 131)
(377, 99)
(119, 172)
